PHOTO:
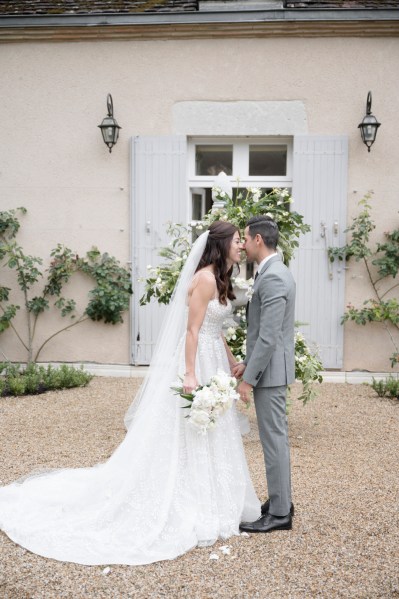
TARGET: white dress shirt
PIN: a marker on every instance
(261, 265)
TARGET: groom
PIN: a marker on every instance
(269, 367)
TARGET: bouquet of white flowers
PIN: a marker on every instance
(208, 402)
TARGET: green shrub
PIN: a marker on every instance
(52, 378)
(18, 380)
(389, 387)
(15, 385)
(379, 387)
(392, 386)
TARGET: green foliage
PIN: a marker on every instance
(236, 337)
(9, 224)
(389, 387)
(34, 379)
(161, 280)
(384, 260)
(107, 301)
(37, 305)
(6, 317)
(307, 368)
(15, 386)
(394, 359)
(62, 266)
(388, 263)
(111, 297)
(26, 266)
(360, 231)
(392, 386)
(373, 311)
(251, 202)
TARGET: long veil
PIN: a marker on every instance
(172, 330)
(164, 490)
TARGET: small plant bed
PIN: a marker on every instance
(16, 379)
(387, 388)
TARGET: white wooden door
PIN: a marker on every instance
(159, 194)
(320, 167)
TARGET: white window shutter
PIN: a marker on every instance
(319, 192)
(159, 195)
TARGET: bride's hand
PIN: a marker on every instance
(189, 383)
(238, 370)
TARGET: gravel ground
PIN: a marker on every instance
(345, 539)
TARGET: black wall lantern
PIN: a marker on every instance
(369, 125)
(109, 127)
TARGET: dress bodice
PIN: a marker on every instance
(215, 315)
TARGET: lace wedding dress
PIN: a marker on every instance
(165, 489)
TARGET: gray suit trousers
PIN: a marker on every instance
(270, 404)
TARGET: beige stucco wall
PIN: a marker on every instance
(54, 162)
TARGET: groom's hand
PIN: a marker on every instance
(245, 390)
(238, 370)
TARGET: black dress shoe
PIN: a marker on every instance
(268, 523)
(265, 508)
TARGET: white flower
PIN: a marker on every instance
(249, 293)
(225, 549)
(210, 401)
(230, 334)
(222, 380)
(203, 398)
(242, 283)
(256, 192)
(199, 417)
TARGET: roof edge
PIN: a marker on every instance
(251, 16)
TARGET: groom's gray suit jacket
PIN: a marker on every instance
(270, 359)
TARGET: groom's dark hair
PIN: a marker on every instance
(266, 227)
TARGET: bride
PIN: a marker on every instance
(166, 488)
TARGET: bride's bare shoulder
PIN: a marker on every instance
(204, 278)
(204, 272)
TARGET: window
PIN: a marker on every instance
(212, 159)
(250, 162)
(267, 160)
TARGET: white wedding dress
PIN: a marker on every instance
(165, 489)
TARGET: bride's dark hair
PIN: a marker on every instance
(216, 252)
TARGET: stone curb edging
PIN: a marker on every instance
(125, 370)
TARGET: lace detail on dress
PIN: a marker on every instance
(163, 491)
